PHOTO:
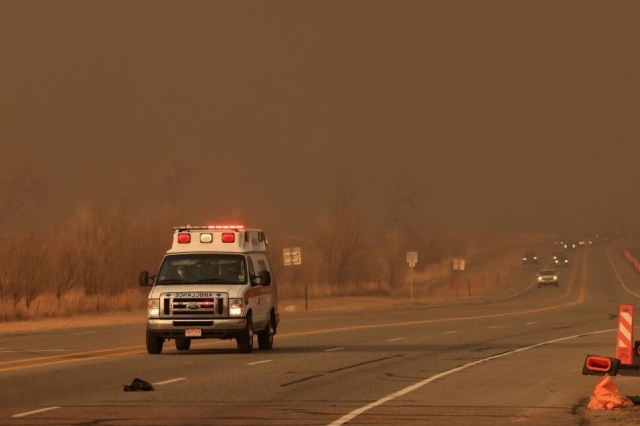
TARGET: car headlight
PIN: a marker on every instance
(153, 308)
(555, 277)
(236, 307)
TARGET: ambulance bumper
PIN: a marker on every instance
(200, 329)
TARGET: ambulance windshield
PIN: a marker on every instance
(203, 268)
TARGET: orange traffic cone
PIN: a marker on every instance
(606, 396)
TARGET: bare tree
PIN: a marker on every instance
(63, 271)
(25, 267)
(172, 183)
(90, 234)
(402, 199)
(399, 232)
(21, 190)
(127, 251)
(392, 267)
(4, 272)
(340, 236)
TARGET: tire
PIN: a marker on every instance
(154, 344)
(265, 337)
(245, 340)
(183, 344)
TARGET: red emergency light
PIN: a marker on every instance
(228, 237)
(184, 238)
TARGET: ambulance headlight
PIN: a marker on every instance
(153, 308)
(236, 307)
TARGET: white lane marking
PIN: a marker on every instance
(36, 350)
(333, 350)
(169, 381)
(84, 332)
(35, 412)
(450, 332)
(619, 277)
(495, 326)
(532, 322)
(260, 362)
(395, 340)
(355, 413)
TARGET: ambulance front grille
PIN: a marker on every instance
(193, 307)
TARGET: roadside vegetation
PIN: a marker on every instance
(89, 261)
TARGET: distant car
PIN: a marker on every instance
(529, 257)
(586, 241)
(548, 277)
(561, 259)
(570, 245)
(601, 239)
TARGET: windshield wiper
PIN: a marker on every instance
(174, 281)
(212, 280)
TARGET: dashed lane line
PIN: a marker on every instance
(28, 413)
(166, 382)
(260, 362)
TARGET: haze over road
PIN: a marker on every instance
(512, 116)
(461, 364)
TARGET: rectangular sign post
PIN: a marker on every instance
(293, 256)
(412, 259)
(457, 265)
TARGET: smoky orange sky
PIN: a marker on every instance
(514, 116)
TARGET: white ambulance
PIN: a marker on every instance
(214, 283)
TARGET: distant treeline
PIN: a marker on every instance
(90, 260)
(99, 251)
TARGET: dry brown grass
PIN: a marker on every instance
(490, 261)
(75, 303)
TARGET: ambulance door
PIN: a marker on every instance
(261, 264)
(256, 300)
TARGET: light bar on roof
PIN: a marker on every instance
(179, 228)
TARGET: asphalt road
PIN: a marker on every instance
(516, 360)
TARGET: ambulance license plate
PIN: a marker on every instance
(193, 332)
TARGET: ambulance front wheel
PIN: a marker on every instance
(265, 337)
(154, 344)
(245, 340)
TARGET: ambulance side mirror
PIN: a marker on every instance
(145, 280)
(263, 279)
